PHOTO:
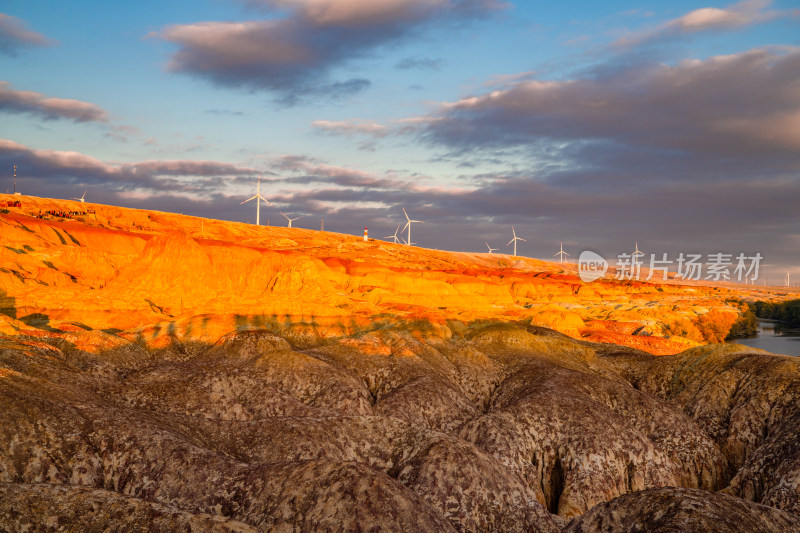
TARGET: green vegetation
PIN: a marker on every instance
(746, 325)
(17, 250)
(27, 247)
(788, 313)
(716, 326)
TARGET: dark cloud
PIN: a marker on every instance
(293, 53)
(45, 168)
(15, 36)
(13, 101)
(727, 106)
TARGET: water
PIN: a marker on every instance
(772, 338)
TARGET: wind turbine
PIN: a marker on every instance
(290, 219)
(394, 237)
(637, 252)
(258, 199)
(562, 254)
(82, 197)
(408, 225)
(489, 247)
(514, 240)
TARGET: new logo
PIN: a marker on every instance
(591, 266)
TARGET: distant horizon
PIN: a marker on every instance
(595, 125)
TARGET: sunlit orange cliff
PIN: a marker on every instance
(107, 275)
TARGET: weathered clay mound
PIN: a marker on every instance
(43, 507)
(747, 401)
(437, 427)
(669, 510)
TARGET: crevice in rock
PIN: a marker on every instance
(630, 471)
(553, 495)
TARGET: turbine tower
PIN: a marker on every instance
(394, 237)
(82, 197)
(562, 254)
(489, 247)
(408, 225)
(258, 199)
(290, 219)
(514, 240)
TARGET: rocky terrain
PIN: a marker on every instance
(482, 427)
(156, 376)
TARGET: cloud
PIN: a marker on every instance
(228, 112)
(49, 167)
(294, 53)
(741, 14)
(736, 107)
(420, 63)
(13, 101)
(14, 36)
(356, 127)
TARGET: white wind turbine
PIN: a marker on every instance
(394, 237)
(562, 254)
(82, 197)
(637, 252)
(258, 199)
(489, 247)
(290, 219)
(514, 240)
(408, 225)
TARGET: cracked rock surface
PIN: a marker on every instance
(482, 427)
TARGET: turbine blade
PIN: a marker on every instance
(406, 214)
(253, 198)
(509, 242)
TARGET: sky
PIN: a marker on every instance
(597, 124)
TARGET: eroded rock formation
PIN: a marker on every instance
(482, 427)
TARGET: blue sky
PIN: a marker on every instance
(676, 124)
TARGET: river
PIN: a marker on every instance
(772, 338)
